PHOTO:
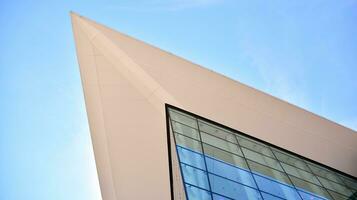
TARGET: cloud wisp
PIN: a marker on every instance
(170, 5)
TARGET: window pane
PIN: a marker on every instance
(191, 157)
(230, 172)
(231, 189)
(276, 188)
(185, 130)
(300, 173)
(267, 196)
(259, 158)
(290, 159)
(349, 182)
(194, 193)
(324, 173)
(218, 132)
(183, 118)
(269, 172)
(187, 142)
(195, 176)
(335, 187)
(309, 196)
(217, 142)
(229, 165)
(310, 188)
(338, 196)
(219, 197)
(225, 156)
(245, 142)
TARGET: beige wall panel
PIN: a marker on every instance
(94, 111)
(126, 85)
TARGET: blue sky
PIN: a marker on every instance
(303, 51)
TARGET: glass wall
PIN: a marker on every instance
(220, 164)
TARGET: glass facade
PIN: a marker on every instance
(220, 164)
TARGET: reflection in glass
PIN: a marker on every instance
(221, 164)
(232, 189)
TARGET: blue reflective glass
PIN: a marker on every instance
(232, 189)
(220, 171)
(309, 196)
(276, 188)
(230, 172)
(190, 157)
(219, 197)
(195, 176)
(267, 196)
(194, 193)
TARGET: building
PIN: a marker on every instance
(165, 128)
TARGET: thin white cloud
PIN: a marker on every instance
(168, 5)
(284, 83)
(182, 4)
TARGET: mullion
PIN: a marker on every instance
(210, 145)
(275, 158)
(256, 143)
(221, 176)
(231, 153)
(245, 158)
(257, 188)
(333, 181)
(265, 176)
(343, 185)
(204, 158)
(182, 114)
(209, 191)
(251, 171)
(344, 182)
(184, 124)
(213, 158)
(178, 157)
(216, 127)
(231, 130)
(302, 178)
(249, 168)
(319, 180)
(264, 157)
(287, 175)
(292, 158)
(306, 180)
(335, 190)
(320, 192)
(295, 166)
(289, 159)
(187, 136)
(263, 192)
(337, 175)
(218, 137)
(235, 154)
(240, 182)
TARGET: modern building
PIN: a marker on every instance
(164, 128)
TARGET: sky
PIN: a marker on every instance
(302, 51)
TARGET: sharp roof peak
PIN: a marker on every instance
(74, 14)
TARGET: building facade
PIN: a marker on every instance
(165, 128)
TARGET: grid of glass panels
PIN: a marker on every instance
(218, 164)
